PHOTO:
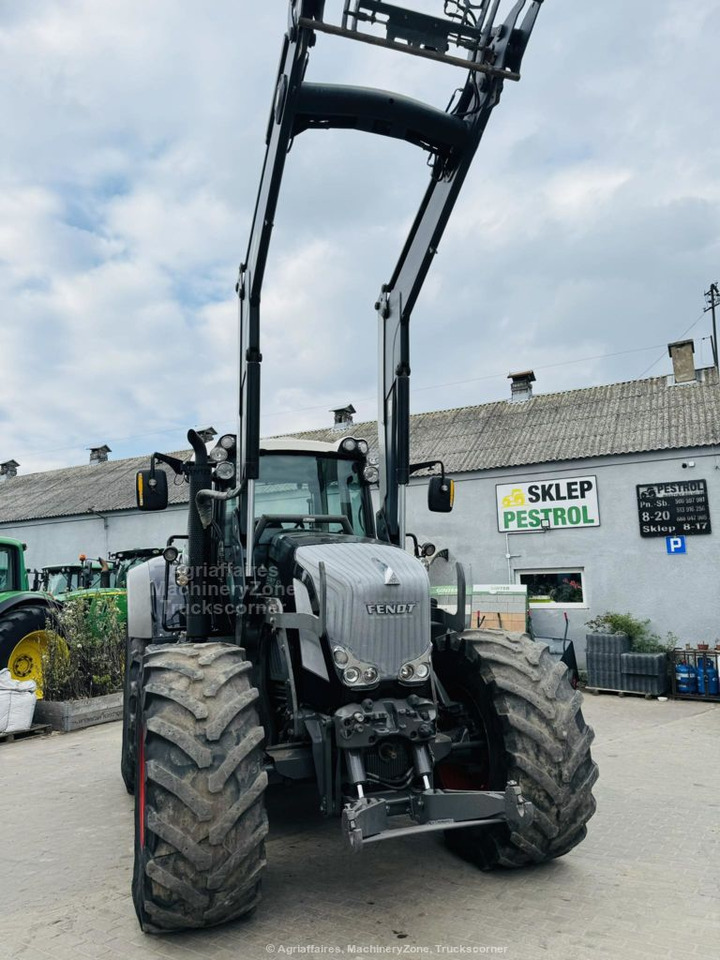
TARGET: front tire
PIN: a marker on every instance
(200, 821)
(535, 734)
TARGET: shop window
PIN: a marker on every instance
(556, 587)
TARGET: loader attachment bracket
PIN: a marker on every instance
(367, 820)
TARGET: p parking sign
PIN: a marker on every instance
(675, 545)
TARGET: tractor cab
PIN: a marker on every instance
(62, 578)
(313, 488)
(125, 560)
(12, 566)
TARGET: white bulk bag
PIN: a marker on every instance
(17, 703)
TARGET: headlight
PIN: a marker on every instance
(183, 575)
(171, 554)
(349, 445)
(218, 454)
(363, 447)
(227, 442)
(371, 473)
(225, 470)
(416, 671)
(354, 672)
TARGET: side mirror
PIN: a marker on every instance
(441, 494)
(151, 489)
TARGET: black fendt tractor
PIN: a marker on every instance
(290, 636)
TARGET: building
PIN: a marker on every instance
(596, 499)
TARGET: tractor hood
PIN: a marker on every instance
(378, 600)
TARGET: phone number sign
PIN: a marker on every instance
(678, 509)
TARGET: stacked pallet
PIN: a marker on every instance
(611, 665)
(604, 651)
(645, 673)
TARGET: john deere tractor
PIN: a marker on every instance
(94, 578)
(289, 636)
(23, 615)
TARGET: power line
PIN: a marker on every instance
(694, 323)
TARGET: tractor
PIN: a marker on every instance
(289, 636)
(23, 616)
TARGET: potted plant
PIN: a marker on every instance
(83, 665)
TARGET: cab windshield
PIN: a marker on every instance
(70, 578)
(307, 486)
(60, 581)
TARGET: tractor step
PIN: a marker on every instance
(36, 730)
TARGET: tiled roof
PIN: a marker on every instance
(633, 417)
(76, 491)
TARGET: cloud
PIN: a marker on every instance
(133, 140)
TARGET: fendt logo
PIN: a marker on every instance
(390, 608)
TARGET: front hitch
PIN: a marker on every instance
(367, 819)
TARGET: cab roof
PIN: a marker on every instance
(300, 446)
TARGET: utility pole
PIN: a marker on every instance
(712, 297)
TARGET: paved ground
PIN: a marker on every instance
(643, 885)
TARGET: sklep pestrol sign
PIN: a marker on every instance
(565, 503)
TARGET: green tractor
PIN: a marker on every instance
(25, 606)
(96, 577)
(23, 616)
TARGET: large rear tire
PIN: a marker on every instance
(536, 735)
(134, 650)
(200, 821)
(23, 640)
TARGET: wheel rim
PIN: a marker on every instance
(25, 661)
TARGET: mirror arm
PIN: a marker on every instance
(426, 464)
(176, 465)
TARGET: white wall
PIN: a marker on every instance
(62, 539)
(623, 571)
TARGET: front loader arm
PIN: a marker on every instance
(492, 55)
(480, 95)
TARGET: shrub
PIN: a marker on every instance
(637, 631)
(85, 655)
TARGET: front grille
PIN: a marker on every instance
(389, 762)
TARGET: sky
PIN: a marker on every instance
(132, 143)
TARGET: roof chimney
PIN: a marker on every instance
(207, 434)
(521, 386)
(683, 360)
(343, 417)
(99, 454)
(8, 469)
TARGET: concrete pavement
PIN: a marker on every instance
(645, 883)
